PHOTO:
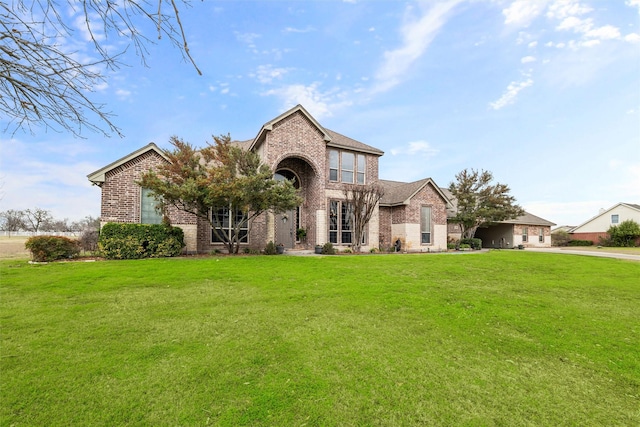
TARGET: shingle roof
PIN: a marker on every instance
(98, 176)
(526, 219)
(332, 138)
(340, 141)
(398, 193)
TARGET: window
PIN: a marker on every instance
(541, 235)
(525, 234)
(615, 219)
(333, 165)
(149, 214)
(347, 167)
(340, 223)
(225, 223)
(361, 165)
(425, 225)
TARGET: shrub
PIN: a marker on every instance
(347, 251)
(270, 249)
(451, 245)
(625, 234)
(328, 249)
(473, 243)
(51, 248)
(580, 243)
(133, 241)
(464, 246)
(560, 238)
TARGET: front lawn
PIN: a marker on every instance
(499, 338)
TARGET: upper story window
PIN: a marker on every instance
(149, 212)
(347, 167)
(615, 219)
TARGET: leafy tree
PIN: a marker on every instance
(362, 201)
(218, 177)
(625, 234)
(479, 202)
(34, 219)
(12, 220)
(45, 81)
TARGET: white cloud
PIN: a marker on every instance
(417, 35)
(123, 93)
(522, 12)
(511, 93)
(528, 59)
(416, 148)
(575, 24)
(633, 3)
(533, 44)
(607, 32)
(561, 9)
(247, 38)
(307, 29)
(633, 37)
(320, 104)
(267, 73)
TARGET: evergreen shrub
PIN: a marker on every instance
(133, 241)
(580, 243)
(51, 248)
(473, 243)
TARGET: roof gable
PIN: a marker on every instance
(331, 138)
(98, 176)
(631, 206)
(400, 193)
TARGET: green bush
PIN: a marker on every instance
(328, 249)
(51, 248)
(625, 234)
(473, 243)
(580, 243)
(270, 249)
(133, 241)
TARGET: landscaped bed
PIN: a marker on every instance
(499, 338)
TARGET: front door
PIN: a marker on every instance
(285, 229)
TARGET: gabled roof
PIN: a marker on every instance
(98, 176)
(332, 138)
(632, 206)
(526, 219)
(400, 193)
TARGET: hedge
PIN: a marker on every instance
(51, 248)
(133, 241)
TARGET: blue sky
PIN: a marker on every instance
(543, 93)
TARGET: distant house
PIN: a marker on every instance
(321, 163)
(597, 227)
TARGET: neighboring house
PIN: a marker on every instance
(321, 164)
(597, 227)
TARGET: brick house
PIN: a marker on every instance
(321, 163)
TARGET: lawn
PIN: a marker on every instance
(500, 338)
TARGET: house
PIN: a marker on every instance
(321, 163)
(597, 227)
(527, 230)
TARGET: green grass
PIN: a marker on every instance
(504, 338)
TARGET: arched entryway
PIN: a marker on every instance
(287, 223)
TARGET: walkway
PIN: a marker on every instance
(630, 257)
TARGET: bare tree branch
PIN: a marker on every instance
(46, 81)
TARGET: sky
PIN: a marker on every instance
(545, 94)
